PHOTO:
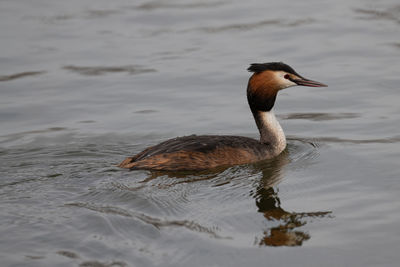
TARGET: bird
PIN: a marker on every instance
(204, 152)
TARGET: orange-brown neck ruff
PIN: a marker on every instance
(262, 90)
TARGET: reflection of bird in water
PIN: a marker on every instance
(211, 151)
(269, 204)
(283, 227)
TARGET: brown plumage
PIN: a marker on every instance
(198, 153)
(211, 151)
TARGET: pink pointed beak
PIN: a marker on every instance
(306, 82)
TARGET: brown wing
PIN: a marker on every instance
(198, 153)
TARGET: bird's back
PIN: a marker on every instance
(198, 153)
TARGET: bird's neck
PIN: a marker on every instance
(271, 132)
(261, 95)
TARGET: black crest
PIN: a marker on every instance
(274, 66)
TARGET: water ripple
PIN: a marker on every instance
(254, 25)
(391, 14)
(4, 78)
(156, 222)
(153, 5)
(328, 139)
(319, 116)
(100, 70)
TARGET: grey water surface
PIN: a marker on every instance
(83, 84)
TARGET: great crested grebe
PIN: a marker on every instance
(210, 151)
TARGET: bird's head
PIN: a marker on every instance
(268, 79)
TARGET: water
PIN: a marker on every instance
(85, 84)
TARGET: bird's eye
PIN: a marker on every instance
(286, 76)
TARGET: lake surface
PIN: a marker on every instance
(83, 84)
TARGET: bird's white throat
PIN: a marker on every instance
(271, 132)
